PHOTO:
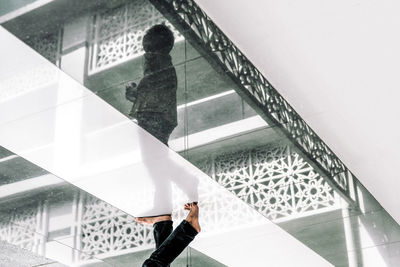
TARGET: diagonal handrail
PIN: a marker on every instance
(202, 33)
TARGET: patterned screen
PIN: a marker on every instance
(48, 46)
(20, 228)
(118, 33)
(274, 180)
(107, 230)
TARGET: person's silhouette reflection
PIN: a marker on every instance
(154, 102)
(154, 107)
(155, 97)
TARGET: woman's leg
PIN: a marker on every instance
(152, 123)
(177, 241)
(162, 227)
(161, 231)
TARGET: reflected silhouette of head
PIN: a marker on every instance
(158, 39)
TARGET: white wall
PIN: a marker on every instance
(338, 63)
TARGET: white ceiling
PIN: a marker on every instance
(338, 64)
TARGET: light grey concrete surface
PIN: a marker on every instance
(13, 256)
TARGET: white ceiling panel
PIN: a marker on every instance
(338, 65)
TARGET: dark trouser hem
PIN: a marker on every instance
(176, 242)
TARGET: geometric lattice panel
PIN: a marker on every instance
(47, 46)
(273, 179)
(18, 228)
(107, 230)
(119, 32)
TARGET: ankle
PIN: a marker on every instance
(194, 223)
(162, 219)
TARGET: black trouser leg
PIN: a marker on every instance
(176, 242)
(161, 230)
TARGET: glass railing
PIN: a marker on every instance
(52, 218)
(217, 132)
(97, 170)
